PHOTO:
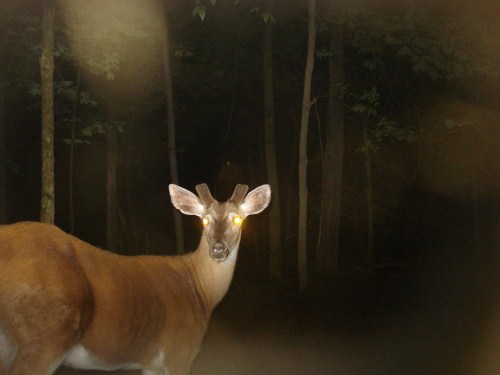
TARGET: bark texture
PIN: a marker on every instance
(275, 263)
(331, 190)
(303, 160)
(47, 204)
(172, 148)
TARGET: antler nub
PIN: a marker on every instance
(239, 194)
(204, 194)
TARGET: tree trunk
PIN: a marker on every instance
(370, 231)
(3, 153)
(7, 15)
(275, 263)
(72, 147)
(47, 210)
(472, 143)
(328, 252)
(172, 150)
(475, 212)
(112, 218)
(303, 161)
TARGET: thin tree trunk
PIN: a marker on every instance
(474, 166)
(328, 252)
(475, 213)
(275, 262)
(3, 154)
(72, 146)
(370, 234)
(303, 161)
(172, 149)
(47, 206)
(112, 219)
(7, 11)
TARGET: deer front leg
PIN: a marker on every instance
(40, 362)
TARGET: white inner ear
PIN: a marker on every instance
(256, 201)
(185, 201)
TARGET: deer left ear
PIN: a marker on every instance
(256, 201)
(185, 201)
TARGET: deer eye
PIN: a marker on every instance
(237, 220)
(205, 221)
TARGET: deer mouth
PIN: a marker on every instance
(219, 252)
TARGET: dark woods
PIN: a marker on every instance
(401, 137)
(401, 132)
(375, 123)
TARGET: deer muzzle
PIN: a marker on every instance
(219, 251)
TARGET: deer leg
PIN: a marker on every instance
(36, 361)
(37, 345)
(38, 326)
(7, 353)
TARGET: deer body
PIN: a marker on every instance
(63, 301)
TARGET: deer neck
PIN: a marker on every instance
(213, 278)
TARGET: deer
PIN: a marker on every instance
(66, 302)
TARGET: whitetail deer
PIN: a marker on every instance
(63, 301)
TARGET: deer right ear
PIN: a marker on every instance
(185, 201)
(257, 200)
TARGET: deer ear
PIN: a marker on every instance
(185, 201)
(256, 201)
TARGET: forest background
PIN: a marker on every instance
(375, 122)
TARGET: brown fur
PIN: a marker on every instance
(57, 291)
(65, 301)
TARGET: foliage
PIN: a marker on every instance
(394, 60)
(95, 129)
(457, 125)
(367, 105)
(264, 16)
(74, 49)
(437, 49)
(200, 9)
(401, 55)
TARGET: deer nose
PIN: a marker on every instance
(219, 251)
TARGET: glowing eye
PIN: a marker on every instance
(205, 221)
(237, 220)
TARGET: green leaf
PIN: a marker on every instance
(454, 125)
(372, 96)
(76, 141)
(359, 108)
(323, 54)
(35, 90)
(405, 51)
(373, 64)
(200, 11)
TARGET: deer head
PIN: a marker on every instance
(221, 221)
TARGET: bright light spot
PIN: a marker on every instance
(117, 45)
